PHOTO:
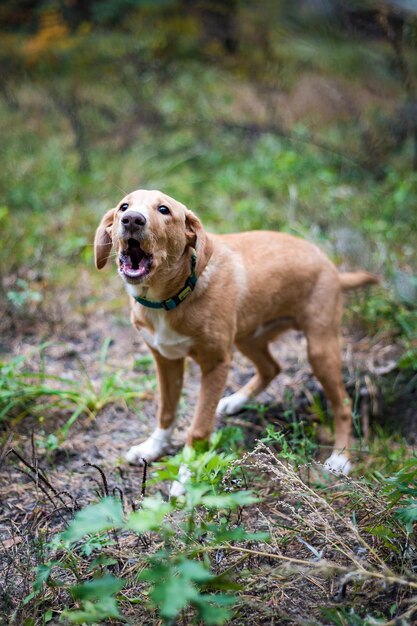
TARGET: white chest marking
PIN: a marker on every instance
(168, 342)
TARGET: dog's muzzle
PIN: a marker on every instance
(134, 263)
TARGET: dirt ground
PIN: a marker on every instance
(39, 491)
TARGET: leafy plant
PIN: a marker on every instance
(207, 466)
(179, 574)
(97, 600)
(347, 617)
(295, 445)
(401, 489)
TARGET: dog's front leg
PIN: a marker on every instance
(170, 377)
(213, 381)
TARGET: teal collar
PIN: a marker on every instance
(176, 300)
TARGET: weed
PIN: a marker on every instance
(294, 445)
(28, 391)
(354, 537)
(385, 456)
(347, 617)
(382, 311)
(208, 466)
(176, 575)
(401, 489)
(350, 527)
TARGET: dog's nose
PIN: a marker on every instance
(133, 220)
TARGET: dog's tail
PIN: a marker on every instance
(353, 280)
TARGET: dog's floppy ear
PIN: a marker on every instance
(102, 241)
(198, 239)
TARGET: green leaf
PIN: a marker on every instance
(222, 534)
(172, 595)
(195, 495)
(229, 500)
(150, 516)
(92, 613)
(105, 515)
(212, 608)
(42, 574)
(194, 570)
(381, 531)
(159, 570)
(101, 561)
(213, 615)
(408, 514)
(97, 588)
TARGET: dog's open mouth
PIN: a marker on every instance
(134, 262)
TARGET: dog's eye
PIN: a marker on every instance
(164, 210)
(124, 206)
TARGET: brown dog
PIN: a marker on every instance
(196, 294)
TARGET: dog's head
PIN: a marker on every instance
(150, 232)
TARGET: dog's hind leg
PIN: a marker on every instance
(170, 378)
(256, 348)
(325, 359)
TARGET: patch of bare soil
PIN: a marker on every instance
(39, 492)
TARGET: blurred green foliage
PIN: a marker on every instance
(201, 100)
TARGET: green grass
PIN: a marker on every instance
(50, 214)
(32, 390)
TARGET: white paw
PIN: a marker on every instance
(338, 463)
(232, 404)
(153, 448)
(177, 487)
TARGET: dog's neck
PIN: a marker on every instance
(165, 284)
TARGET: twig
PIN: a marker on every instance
(4, 450)
(103, 477)
(324, 563)
(39, 475)
(144, 477)
(44, 491)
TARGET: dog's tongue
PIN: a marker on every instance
(134, 268)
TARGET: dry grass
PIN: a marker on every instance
(322, 555)
(322, 536)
